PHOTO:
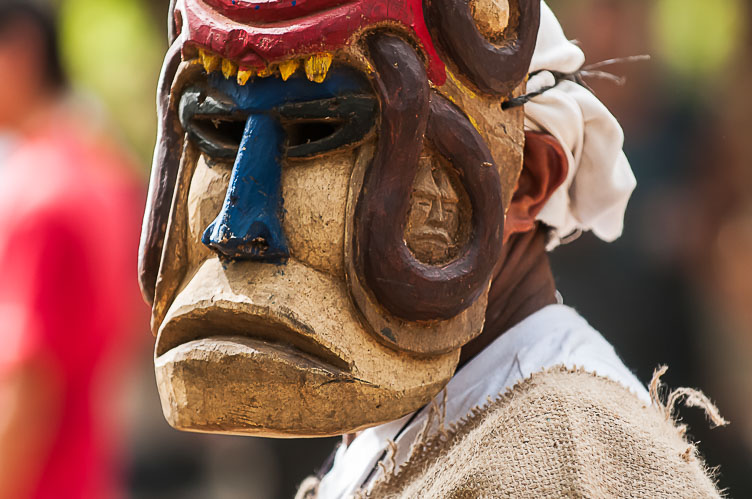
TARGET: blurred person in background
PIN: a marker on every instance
(69, 219)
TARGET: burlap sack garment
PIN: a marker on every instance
(559, 433)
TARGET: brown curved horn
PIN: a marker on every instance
(494, 69)
(407, 287)
(164, 172)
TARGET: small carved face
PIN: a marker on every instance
(433, 222)
(320, 234)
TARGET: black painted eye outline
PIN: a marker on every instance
(313, 128)
(319, 126)
(209, 119)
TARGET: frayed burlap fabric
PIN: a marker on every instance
(560, 433)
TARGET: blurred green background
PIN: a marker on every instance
(677, 287)
(113, 50)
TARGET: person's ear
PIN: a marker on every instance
(544, 169)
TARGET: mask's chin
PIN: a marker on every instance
(276, 351)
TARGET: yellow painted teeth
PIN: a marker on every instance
(266, 72)
(287, 68)
(210, 61)
(229, 69)
(317, 66)
(244, 75)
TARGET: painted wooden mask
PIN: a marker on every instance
(327, 204)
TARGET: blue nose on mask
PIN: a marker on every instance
(249, 226)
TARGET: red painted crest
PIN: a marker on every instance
(254, 33)
(268, 11)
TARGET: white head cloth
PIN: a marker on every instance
(600, 180)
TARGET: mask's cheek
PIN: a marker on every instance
(315, 202)
(205, 197)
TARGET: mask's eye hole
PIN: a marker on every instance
(319, 126)
(211, 122)
(305, 132)
(217, 135)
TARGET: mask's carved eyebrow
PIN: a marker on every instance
(446, 196)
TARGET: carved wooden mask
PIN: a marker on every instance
(327, 204)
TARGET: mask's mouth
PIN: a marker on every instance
(222, 325)
(435, 237)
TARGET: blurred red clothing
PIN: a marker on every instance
(69, 223)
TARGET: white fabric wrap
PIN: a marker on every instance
(599, 182)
